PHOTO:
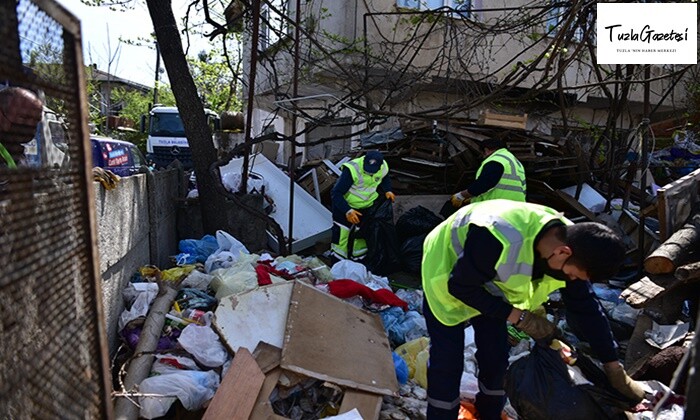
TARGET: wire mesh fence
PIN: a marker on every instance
(53, 361)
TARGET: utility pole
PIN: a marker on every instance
(155, 87)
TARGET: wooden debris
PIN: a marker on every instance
(688, 272)
(673, 252)
(503, 120)
(262, 409)
(267, 356)
(369, 405)
(639, 294)
(239, 390)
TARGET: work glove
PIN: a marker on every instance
(390, 196)
(353, 216)
(622, 382)
(105, 177)
(537, 327)
(458, 199)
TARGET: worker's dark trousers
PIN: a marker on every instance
(447, 363)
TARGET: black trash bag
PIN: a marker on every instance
(416, 221)
(412, 253)
(383, 249)
(539, 387)
(448, 209)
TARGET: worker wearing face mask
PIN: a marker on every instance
(492, 263)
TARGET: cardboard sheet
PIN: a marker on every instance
(331, 340)
(258, 315)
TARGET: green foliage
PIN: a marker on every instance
(215, 82)
(134, 103)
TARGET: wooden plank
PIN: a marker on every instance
(369, 405)
(267, 356)
(503, 120)
(331, 340)
(472, 135)
(239, 390)
(262, 409)
(571, 201)
(641, 293)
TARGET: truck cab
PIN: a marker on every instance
(166, 136)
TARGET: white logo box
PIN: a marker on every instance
(647, 33)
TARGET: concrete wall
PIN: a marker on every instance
(136, 226)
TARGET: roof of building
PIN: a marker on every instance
(103, 76)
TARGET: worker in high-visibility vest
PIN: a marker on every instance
(355, 191)
(501, 175)
(491, 264)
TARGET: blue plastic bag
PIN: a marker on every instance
(401, 368)
(196, 250)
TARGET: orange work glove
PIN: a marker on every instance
(353, 216)
(390, 196)
(458, 199)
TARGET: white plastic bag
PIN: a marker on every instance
(168, 363)
(204, 345)
(193, 388)
(230, 250)
(145, 294)
(346, 269)
(238, 278)
(197, 280)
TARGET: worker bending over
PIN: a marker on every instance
(492, 263)
(501, 175)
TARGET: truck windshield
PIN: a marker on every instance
(166, 125)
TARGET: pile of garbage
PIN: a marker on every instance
(228, 299)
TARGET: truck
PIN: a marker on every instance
(166, 136)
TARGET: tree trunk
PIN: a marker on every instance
(672, 253)
(198, 133)
(688, 272)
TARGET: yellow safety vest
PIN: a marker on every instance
(512, 184)
(515, 225)
(363, 191)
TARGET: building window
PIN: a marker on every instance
(463, 7)
(556, 16)
(273, 26)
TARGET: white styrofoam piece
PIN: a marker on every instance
(589, 198)
(247, 318)
(312, 220)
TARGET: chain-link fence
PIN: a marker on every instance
(53, 357)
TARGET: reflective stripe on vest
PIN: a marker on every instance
(363, 191)
(516, 226)
(512, 184)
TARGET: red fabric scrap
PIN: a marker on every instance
(349, 288)
(264, 269)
